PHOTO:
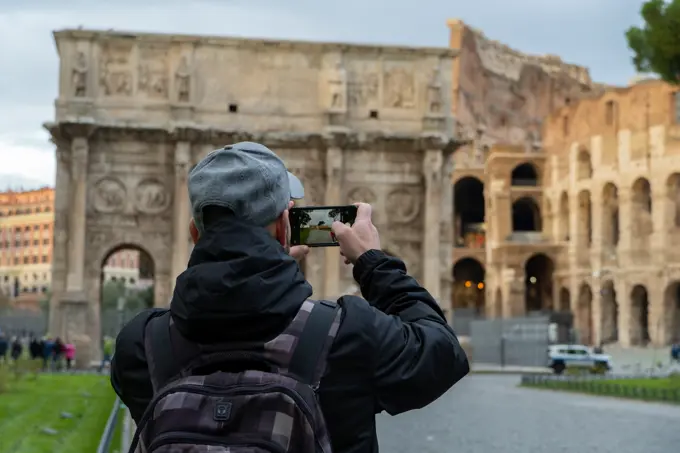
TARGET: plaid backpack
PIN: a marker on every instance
(238, 398)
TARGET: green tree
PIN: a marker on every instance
(656, 45)
(135, 299)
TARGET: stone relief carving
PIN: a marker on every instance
(399, 89)
(116, 75)
(403, 206)
(152, 77)
(361, 194)
(151, 197)
(364, 92)
(79, 76)
(434, 94)
(409, 253)
(183, 81)
(97, 239)
(109, 195)
(338, 88)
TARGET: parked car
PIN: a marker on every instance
(577, 356)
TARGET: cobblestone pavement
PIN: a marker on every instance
(490, 414)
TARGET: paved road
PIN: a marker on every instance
(489, 414)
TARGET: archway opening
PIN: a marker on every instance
(641, 210)
(585, 218)
(524, 175)
(584, 166)
(610, 313)
(564, 217)
(565, 300)
(526, 215)
(469, 212)
(673, 194)
(639, 316)
(468, 285)
(127, 286)
(585, 314)
(538, 283)
(610, 216)
(672, 313)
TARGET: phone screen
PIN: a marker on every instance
(312, 225)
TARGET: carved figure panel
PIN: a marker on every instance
(361, 194)
(399, 88)
(410, 254)
(109, 195)
(403, 206)
(151, 197)
(79, 76)
(153, 72)
(363, 89)
(115, 72)
(338, 88)
(183, 81)
(434, 94)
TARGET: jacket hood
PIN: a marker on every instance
(240, 285)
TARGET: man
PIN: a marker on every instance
(392, 352)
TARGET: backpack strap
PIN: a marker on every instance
(158, 350)
(308, 361)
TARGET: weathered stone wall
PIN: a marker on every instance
(614, 166)
(505, 92)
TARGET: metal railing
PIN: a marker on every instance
(109, 429)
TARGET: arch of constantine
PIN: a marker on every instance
(136, 112)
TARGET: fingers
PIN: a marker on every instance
(291, 203)
(340, 229)
(298, 252)
(363, 211)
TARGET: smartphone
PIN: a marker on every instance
(311, 226)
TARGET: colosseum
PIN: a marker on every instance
(567, 196)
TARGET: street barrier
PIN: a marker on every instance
(604, 385)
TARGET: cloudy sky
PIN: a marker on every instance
(585, 32)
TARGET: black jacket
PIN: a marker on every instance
(394, 353)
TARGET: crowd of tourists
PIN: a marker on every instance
(54, 354)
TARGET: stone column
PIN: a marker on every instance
(75, 280)
(62, 201)
(446, 235)
(431, 273)
(333, 197)
(625, 226)
(181, 211)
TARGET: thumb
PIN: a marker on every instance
(364, 211)
(340, 229)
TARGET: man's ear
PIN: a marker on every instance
(282, 228)
(193, 231)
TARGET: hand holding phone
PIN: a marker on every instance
(359, 238)
(311, 226)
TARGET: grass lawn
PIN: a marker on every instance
(666, 389)
(29, 405)
(670, 383)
